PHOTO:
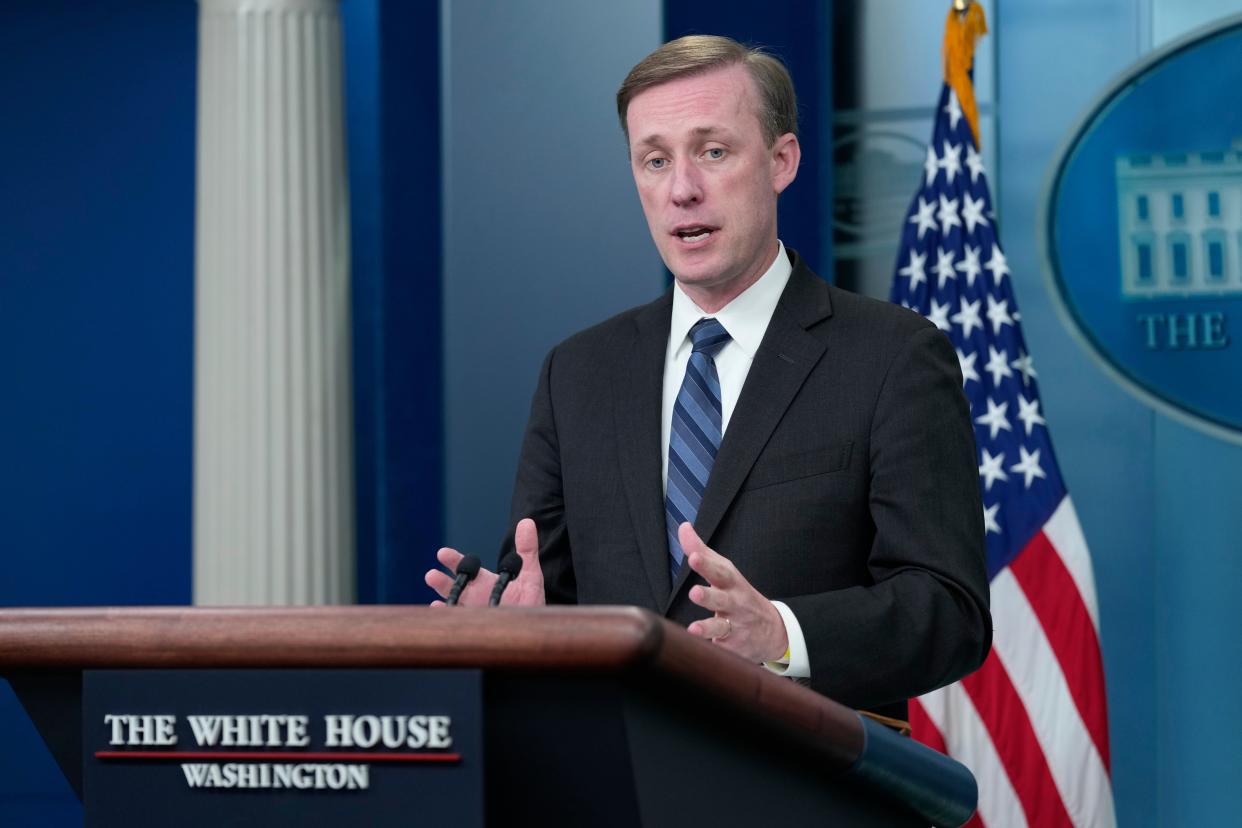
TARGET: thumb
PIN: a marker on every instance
(529, 582)
(526, 541)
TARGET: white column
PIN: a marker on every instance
(273, 448)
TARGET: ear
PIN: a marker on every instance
(786, 156)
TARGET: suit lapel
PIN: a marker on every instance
(784, 359)
(638, 400)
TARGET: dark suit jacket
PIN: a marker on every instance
(845, 486)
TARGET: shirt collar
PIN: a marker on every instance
(745, 318)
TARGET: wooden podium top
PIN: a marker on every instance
(623, 641)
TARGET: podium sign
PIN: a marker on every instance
(282, 747)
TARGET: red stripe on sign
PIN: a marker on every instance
(177, 755)
(1006, 719)
(923, 729)
(1054, 597)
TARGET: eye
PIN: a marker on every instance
(657, 163)
(715, 153)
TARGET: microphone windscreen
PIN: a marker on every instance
(469, 566)
(511, 563)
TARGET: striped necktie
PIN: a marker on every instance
(695, 435)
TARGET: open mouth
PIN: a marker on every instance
(694, 233)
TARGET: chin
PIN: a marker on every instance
(699, 277)
(695, 271)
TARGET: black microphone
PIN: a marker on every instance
(466, 570)
(510, 566)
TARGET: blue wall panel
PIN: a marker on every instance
(392, 85)
(543, 232)
(96, 326)
(360, 42)
(1198, 660)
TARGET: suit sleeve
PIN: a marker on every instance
(538, 493)
(923, 622)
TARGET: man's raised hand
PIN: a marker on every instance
(526, 590)
(744, 622)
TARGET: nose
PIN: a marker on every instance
(687, 186)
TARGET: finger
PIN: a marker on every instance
(714, 599)
(526, 541)
(440, 581)
(450, 558)
(699, 629)
(437, 604)
(715, 628)
(722, 628)
(703, 559)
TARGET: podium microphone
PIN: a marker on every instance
(510, 566)
(467, 568)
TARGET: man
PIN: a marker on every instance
(785, 467)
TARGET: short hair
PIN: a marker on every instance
(697, 54)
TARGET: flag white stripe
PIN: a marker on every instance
(967, 740)
(1076, 767)
(1065, 534)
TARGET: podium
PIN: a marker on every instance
(590, 716)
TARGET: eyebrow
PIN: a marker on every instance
(702, 131)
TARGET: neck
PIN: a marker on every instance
(711, 298)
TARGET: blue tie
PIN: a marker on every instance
(695, 435)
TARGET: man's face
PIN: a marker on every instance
(706, 177)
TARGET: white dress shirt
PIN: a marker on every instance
(746, 319)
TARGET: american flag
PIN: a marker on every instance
(1031, 724)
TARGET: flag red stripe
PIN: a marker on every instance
(923, 729)
(1007, 722)
(1054, 597)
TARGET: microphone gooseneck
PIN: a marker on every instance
(467, 568)
(510, 566)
